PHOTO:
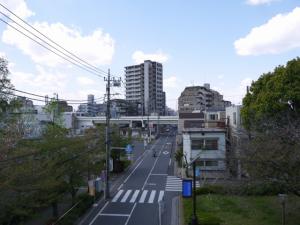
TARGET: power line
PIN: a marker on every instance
(49, 39)
(82, 67)
(43, 96)
(40, 100)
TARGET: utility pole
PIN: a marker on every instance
(107, 137)
(116, 83)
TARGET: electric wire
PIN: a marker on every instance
(78, 65)
(49, 39)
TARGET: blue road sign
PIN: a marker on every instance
(187, 188)
(128, 149)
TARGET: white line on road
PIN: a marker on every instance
(137, 165)
(134, 196)
(152, 196)
(170, 162)
(152, 169)
(126, 196)
(98, 213)
(130, 214)
(117, 196)
(161, 195)
(143, 197)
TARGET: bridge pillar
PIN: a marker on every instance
(130, 124)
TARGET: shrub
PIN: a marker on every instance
(211, 189)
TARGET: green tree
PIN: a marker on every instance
(271, 115)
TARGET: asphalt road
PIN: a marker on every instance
(135, 198)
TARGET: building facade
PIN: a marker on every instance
(236, 135)
(144, 84)
(199, 98)
(204, 137)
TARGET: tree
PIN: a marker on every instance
(271, 115)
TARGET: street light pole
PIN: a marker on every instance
(194, 220)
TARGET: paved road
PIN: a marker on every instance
(135, 200)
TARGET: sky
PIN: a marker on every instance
(225, 43)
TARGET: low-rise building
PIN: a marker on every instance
(204, 136)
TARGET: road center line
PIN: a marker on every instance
(130, 214)
(137, 165)
(153, 167)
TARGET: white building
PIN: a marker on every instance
(204, 136)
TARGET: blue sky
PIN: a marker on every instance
(224, 43)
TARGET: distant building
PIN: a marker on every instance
(144, 85)
(199, 98)
(91, 108)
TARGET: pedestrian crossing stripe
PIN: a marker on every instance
(138, 196)
(175, 184)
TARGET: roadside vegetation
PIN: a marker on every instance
(36, 174)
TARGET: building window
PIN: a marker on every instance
(211, 163)
(204, 144)
(213, 117)
(211, 144)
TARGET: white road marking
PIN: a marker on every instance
(161, 195)
(98, 213)
(143, 197)
(112, 214)
(170, 162)
(151, 170)
(152, 196)
(117, 196)
(138, 164)
(120, 187)
(126, 196)
(134, 196)
(130, 214)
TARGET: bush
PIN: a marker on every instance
(211, 189)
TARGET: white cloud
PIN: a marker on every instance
(281, 33)
(97, 48)
(260, 2)
(19, 7)
(140, 57)
(221, 76)
(85, 81)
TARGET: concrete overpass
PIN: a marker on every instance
(83, 121)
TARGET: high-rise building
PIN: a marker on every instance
(144, 84)
(199, 98)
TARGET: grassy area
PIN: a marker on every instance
(242, 210)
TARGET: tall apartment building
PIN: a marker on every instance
(144, 84)
(199, 98)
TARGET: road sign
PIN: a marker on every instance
(128, 149)
(187, 188)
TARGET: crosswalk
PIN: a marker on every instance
(138, 196)
(175, 184)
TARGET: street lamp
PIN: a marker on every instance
(282, 200)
